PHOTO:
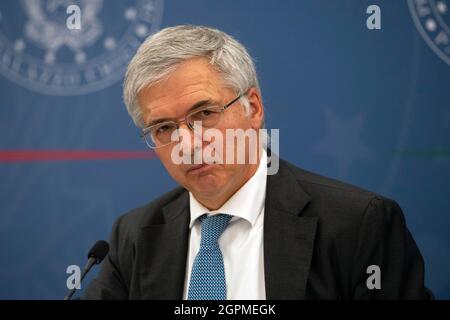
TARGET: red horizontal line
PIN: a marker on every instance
(71, 155)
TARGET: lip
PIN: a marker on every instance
(197, 168)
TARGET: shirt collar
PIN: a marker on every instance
(246, 203)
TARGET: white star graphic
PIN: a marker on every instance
(342, 141)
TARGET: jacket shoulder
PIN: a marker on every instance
(334, 199)
(150, 213)
(313, 181)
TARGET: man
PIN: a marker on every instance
(230, 231)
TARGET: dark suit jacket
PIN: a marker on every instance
(320, 235)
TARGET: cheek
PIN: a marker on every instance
(238, 117)
(166, 159)
(241, 121)
(226, 172)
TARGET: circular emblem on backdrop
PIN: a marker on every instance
(38, 50)
(432, 19)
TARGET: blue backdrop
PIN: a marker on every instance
(370, 107)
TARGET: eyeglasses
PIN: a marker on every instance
(160, 134)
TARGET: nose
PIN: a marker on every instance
(193, 143)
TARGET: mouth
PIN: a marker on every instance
(198, 168)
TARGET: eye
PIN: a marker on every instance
(206, 113)
(162, 129)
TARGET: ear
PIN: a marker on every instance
(256, 108)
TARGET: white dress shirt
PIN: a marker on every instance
(242, 241)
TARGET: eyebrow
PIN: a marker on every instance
(197, 105)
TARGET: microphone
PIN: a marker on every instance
(95, 256)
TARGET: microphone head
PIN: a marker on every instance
(99, 251)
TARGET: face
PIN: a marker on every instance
(194, 81)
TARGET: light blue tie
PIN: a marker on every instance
(208, 273)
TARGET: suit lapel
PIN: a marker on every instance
(163, 252)
(288, 237)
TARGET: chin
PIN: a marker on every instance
(207, 183)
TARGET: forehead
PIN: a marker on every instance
(192, 81)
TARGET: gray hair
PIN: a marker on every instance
(160, 54)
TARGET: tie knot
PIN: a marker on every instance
(212, 227)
